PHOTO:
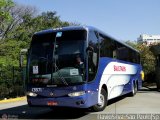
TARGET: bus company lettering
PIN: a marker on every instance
(119, 68)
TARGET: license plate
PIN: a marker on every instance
(52, 103)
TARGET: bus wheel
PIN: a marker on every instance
(134, 89)
(158, 83)
(103, 102)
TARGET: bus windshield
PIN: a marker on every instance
(57, 60)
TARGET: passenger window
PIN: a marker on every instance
(122, 52)
(107, 47)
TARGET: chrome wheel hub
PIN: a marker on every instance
(101, 103)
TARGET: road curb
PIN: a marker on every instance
(13, 99)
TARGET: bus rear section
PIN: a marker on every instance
(120, 67)
(120, 77)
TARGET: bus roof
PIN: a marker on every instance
(87, 28)
(61, 29)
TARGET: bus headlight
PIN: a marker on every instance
(75, 94)
(32, 94)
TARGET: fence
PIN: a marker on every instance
(12, 81)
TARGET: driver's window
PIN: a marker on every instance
(93, 55)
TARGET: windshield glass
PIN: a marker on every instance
(57, 60)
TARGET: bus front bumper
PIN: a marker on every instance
(83, 101)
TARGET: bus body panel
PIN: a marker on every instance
(118, 76)
(59, 96)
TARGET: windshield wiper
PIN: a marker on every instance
(61, 77)
(43, 58)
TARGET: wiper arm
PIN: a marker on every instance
(61, 77)
(43, 58)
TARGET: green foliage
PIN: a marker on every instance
(5, 16)
(9, 52)
(11, 84)
(147, 57)
(4, 10)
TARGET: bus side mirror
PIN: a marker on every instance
(23, 54)
(89, 49)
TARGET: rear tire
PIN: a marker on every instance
(158, 84)
(103, 104)
(158, 79)
(134, 89)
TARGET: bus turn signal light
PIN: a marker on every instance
(142, 75)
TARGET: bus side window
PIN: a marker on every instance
(107, 47)
(122, 52)
(94, 55)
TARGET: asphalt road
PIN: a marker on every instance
(146, 102)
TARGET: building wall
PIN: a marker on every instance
(148, 39)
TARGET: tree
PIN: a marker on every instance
(18, 24)
(5, 6)
(18, 14)
(5, 15)
(147, 57)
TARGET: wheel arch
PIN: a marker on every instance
(105, 88)
(102, 86)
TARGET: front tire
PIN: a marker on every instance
(101, 106)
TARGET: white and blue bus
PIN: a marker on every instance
(80, 67)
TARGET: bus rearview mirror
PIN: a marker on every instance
(89, 49)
